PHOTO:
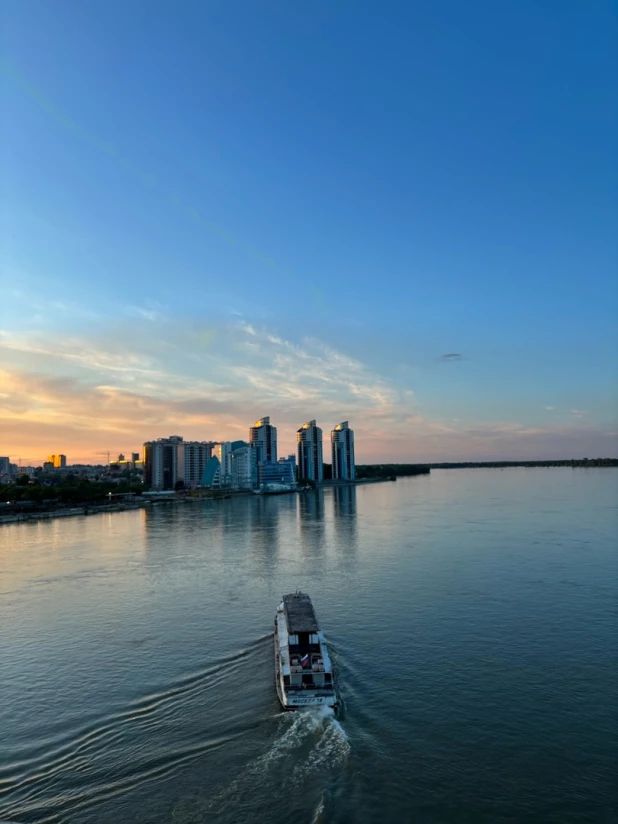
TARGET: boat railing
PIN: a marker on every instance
(308, 687)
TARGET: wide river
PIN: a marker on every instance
(472, 616)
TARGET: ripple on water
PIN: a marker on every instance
(77, 767)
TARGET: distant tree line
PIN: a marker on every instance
(400, 470)
(585, 462)
(69, 490)
(390, 470)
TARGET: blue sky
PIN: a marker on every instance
(217, 211)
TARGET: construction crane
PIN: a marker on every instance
(108, 453)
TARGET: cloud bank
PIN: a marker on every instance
(148, 377)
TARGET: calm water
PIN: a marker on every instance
(472, 616)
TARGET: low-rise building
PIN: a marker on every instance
(281, 472)
(291, 459)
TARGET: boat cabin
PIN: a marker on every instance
(309, 663)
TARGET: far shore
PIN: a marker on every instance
(149, 500)
(379, 473)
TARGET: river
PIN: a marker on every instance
(471, 615)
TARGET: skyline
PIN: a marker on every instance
(401, 219)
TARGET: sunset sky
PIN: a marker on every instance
(400, 214)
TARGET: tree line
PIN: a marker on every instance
(390, 470)
(585, 462)
(69, 490)
(400, 470)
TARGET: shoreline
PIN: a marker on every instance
(22, 517)
(173, 498)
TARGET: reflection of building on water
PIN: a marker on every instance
(264, 530)
(311, 523)
(311, 505)
(181, 516)
(344, 516)
(344, 501)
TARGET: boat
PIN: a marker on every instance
(276, 489)
(303, 669)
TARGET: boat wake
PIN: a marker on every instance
(308, 747)
(311, 739)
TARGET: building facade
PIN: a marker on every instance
(244, 468)
(192, 458)
(291, 459)
(263, 438)
(211, 476)
(281, 472)
(223, 451)
(169, 460)
(58, 461)
(342, 447)
(160, 462)
(310, 464)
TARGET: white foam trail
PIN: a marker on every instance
(308, 742)
(317, 816)
(331, 749)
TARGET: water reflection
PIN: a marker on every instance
(265, 532)
(311, 507)
(344, 501)
(312, 527)
(344, 516)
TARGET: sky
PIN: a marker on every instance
(401, 214)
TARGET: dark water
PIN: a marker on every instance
(472, 616)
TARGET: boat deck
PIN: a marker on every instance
(299, 613)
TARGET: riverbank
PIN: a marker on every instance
(140, 502)
(18, 514)
(21, 517)
(357, 481)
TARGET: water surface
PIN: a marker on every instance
(471, 615)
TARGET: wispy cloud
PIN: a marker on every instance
(168, 376)
(123, 385)
(30, 303)
(150, 314)
(578, 413)
(549, 408)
